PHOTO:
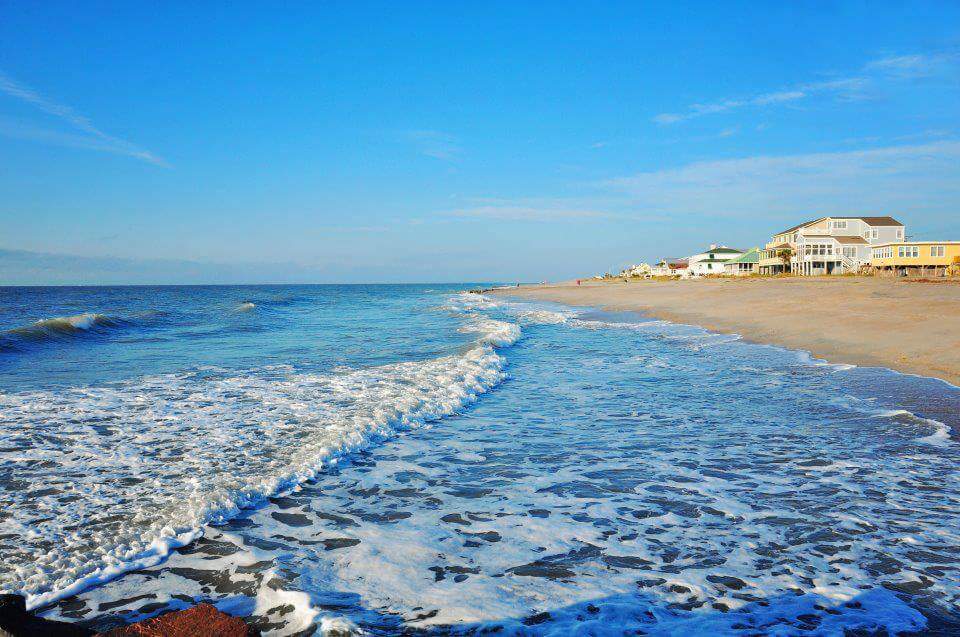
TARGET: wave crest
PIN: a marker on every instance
(66, 326)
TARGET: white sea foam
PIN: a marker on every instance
(246, 307)
(115, 477)
(806, 359)
(544, 317)
(941, 431)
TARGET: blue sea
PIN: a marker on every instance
(380, 460)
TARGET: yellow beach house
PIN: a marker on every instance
(925, 258)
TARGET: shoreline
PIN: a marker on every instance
(906, 326)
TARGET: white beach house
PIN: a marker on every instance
(828, 245)
(712, 261)
(670, 266)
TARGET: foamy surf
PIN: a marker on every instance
(625, 479)
(941, 431)
(195, 449)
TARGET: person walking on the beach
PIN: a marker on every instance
(578, 281)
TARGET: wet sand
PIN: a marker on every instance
(908, 326)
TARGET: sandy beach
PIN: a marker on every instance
(908, 326)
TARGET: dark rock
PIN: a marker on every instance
(15, 621)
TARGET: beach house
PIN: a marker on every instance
(828, 245)
(746, 264)
(712, 261)
(925, 258)
(670, 267)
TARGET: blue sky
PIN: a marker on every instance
(354, 141)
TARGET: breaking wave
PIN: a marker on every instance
(60, 328)
(67, 325)
(137, 469)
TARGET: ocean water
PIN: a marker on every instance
(414, 459)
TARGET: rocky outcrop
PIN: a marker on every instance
(203, 620)
(15, 621)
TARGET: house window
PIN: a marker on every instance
(839, 225)
(909, 252)
(849, 251)
(936, 251)
(900, 234)
(875, 234)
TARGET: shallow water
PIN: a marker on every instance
(469, 465)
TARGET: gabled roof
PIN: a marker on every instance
(875, 221)
(804, 224)
(722, 250)
(750, 256)
(870, 221)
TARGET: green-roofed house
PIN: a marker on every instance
(712, 261)
(746, 263)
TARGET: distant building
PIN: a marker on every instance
(828, 245)
(926, 258)
(746, 264)
(670, 267)
(641, 270)
(712, 261)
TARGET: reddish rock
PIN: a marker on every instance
(203, 620)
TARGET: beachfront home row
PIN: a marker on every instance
(828, 245)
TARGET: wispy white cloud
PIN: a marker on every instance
(913, 66)
(911, 178)
(434, 143)
(92, 137)
(903, 67)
